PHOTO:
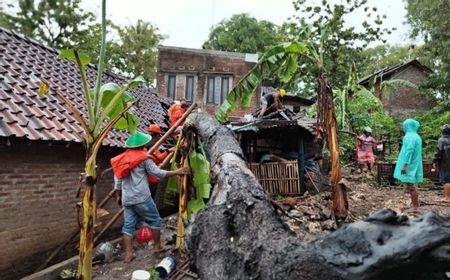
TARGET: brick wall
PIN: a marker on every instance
(183, 62)
(407, 101)
(37, 200)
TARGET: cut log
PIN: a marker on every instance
(240, 235)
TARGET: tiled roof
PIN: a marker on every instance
(386, 72)
(24, 63)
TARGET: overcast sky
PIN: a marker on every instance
(187, 22)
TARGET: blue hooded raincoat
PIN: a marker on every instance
(411, 154)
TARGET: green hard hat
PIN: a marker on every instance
(138, 139)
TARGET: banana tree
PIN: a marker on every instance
(282, 61)
(106, 107)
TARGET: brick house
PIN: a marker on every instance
(406, 101)
(41, 151)
(202, 76)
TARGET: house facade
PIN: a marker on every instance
(42, 153)
(202, 76)
(404, 101)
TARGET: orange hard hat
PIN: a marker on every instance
(154, 128)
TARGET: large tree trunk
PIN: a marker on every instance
(241, 236)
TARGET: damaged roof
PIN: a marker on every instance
(305, 123)
(24, 114)
(386, 72)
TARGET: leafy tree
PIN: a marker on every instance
(63, 24)
(343, 45)
(57, 23)
(429, 18)
(242, 33)
(107, 107)
(374, 59)
(135, 52)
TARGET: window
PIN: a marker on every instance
(189, 94)
(210, 90)
(217, 89)
(225, 88)
(171, 86)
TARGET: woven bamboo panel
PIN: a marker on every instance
(277, 177)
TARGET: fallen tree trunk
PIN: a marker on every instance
(239, 235)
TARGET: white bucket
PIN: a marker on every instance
(140, 275)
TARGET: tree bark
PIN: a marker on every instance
(239, 235)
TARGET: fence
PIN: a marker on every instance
(277, 177)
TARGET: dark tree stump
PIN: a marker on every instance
(239, 235)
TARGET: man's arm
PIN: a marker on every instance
(277, 101)
(154, 170)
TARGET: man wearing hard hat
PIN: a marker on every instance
(131, 170)
(271, 100)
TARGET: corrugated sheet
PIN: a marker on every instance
(308, 124)
(24, 63)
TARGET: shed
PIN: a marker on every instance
(278, 152)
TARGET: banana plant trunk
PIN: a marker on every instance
(89, 209)
(328, 128)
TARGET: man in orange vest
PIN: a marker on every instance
(176, 111)
(131, 170)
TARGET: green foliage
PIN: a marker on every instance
(242, 33)
(343, 44)
(59, 24)
(63, 24)
(280, 61)
(379, 57)
(429, 20)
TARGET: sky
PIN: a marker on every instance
(187, 23)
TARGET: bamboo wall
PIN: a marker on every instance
(277, 177)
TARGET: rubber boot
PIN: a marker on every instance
(156, 235)
(414, 199)
(447, 191)
(128, 248)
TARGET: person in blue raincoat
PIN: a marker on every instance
(409, 167)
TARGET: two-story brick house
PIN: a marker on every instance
(202, 76)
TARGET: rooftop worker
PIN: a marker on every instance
(364, 150)
(271, 100)
(131, 169)
(442, 159)
(409, 167)
(177, 110)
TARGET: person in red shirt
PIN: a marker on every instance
(158, 156)
(176, 111)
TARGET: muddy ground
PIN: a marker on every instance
(308, 216)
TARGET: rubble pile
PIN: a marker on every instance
(309, 216)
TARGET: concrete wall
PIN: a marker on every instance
(183, 62)
(406, 101)
(38, 184)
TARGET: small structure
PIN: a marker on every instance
(202, 76)
(406, 100)
(42, 153)
(280, 151)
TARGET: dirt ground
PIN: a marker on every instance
(144, 259)
(308, 216)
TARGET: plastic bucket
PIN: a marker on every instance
(140, 275)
